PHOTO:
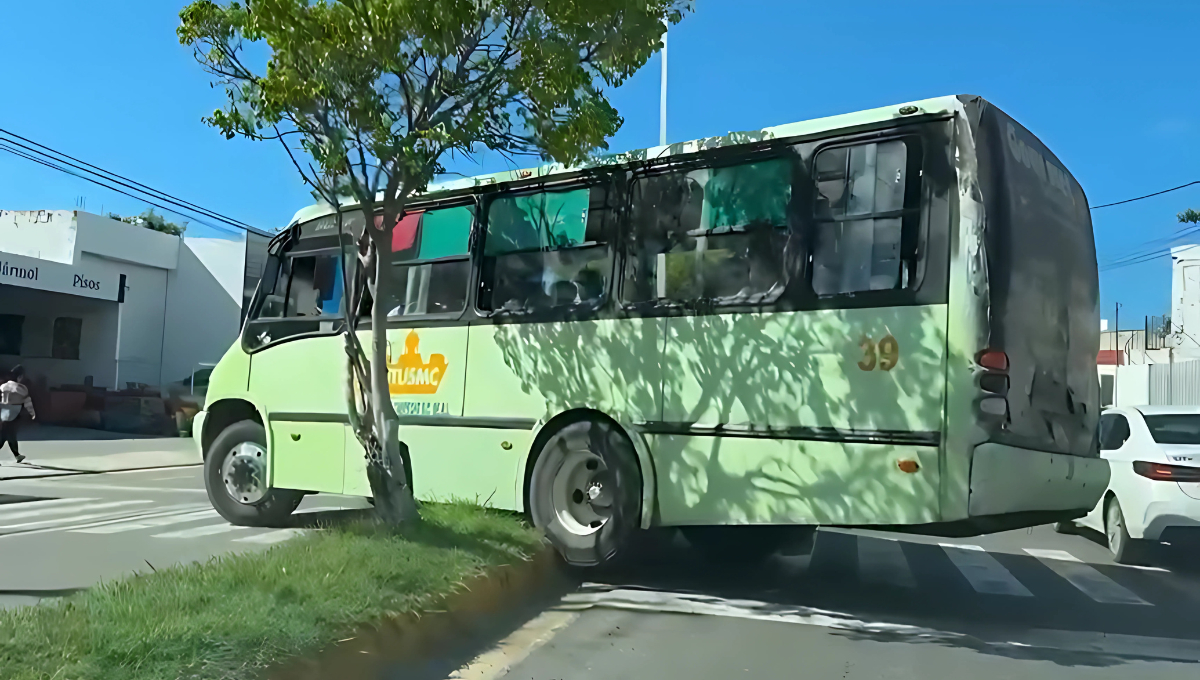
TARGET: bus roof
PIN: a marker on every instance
(936, 106)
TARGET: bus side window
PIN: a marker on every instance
(431, 255)
(306, 297)
(716, 234)
(861, 214)
(548, 250)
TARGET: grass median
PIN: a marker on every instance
(233, 616)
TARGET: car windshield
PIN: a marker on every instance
(1175, 428)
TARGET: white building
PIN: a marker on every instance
(1185, 301)
(84, 298)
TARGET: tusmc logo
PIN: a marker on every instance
(410, 374)
(84, 282)
(27, 273)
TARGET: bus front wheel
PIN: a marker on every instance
(235, 476)
(585, 492)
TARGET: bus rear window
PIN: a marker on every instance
(1175, 428)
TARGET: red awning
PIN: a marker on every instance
(1110, 357)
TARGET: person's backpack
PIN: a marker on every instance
(12, 400)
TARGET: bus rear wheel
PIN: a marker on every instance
(585, 492)
(235, 476)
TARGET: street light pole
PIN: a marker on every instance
(662, 99)
(1117, 345)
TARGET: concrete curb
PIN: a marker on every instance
(446, 636)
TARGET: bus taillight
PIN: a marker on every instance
(993, 360)
(994, 382)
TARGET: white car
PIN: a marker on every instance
(1153, 495)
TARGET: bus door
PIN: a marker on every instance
(427, 341)
(298, 370)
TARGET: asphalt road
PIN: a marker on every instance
(1027, 604)
(62, 534)
(1031, 604)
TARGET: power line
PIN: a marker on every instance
(109, 176)
(41, 161)
(1157, 193)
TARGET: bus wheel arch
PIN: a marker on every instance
(221, 415)
(640, 447)
(584, 488)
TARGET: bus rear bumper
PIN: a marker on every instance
(1007, 480)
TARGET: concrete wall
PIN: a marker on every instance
(42, 234)
(114, 240)
(142, 316)
(1185, 301)
(98, 336)
(1132, 385)
(204, 296)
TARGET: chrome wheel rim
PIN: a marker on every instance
(244, 473)
(581, 494)
(1114, 528)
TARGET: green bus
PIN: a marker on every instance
(883, 319)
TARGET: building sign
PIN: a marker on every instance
(88, 279)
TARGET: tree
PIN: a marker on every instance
(369, 97)
(154, 221)
(1189, 216)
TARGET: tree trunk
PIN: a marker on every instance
(389, 477)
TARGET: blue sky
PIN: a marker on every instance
(1108, 85)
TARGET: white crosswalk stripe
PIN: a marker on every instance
(178, 517)
(1086, 578)
(271, 537)
(882, 561)
(984, 572)
(197, 532)
(7, 511)
(62, 510)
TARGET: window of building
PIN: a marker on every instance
(65, 341)
(716, 233)
(11, 331)
(431, 251)
(863, 204)
(548, 250)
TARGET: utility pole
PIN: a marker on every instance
(1117, 345)
(662, 99)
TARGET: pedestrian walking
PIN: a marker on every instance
(14, 396)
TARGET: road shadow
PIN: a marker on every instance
(1181, 558)
(38, 432)
(940, 607)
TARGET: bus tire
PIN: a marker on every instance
(235, 476)
(585, 493)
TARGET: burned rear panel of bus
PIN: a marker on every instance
(1043, 287)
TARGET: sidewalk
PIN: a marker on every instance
(52, 451)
